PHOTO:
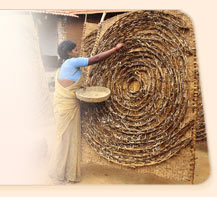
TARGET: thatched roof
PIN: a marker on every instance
(75, 13)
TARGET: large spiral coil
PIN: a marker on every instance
(144, 121)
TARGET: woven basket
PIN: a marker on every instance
(94, 94)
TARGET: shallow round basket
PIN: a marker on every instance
(94, 94)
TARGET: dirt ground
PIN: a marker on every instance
(92, 174)
(98, 174)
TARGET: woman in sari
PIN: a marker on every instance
(65, 161)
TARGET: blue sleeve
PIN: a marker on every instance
(80, 61)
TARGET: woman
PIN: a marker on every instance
(65, 162)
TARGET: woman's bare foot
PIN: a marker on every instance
(59, 182)
(73, 182)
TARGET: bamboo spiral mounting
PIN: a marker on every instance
(143, 122)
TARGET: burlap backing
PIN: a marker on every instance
(177, 166)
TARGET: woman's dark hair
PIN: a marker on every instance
(63, 48)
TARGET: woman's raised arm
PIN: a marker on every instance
(102, 56)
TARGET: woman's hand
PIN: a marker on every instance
(119, 45)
